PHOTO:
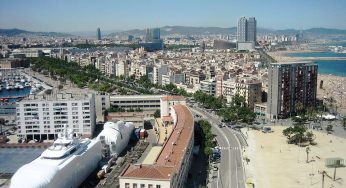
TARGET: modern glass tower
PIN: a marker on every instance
(152, 35)
(241, 32)
(247, 30)
(251, 30)
(98, 34)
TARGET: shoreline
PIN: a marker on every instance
(281, 56)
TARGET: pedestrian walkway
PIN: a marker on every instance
(163, 131)
(233, 148)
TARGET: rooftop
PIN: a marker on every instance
(293, 62)
(169, 159)
(58, 96)
(173, 98)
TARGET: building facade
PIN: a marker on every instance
(246, 33)
(170, 168)
(44, 118)
(291, 86)
(241, 29)
(251, 91)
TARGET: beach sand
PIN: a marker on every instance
(333, 86)
(274, 163)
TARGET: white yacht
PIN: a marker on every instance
(67, 163)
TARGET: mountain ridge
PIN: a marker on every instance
(189, 30)
(15, 32)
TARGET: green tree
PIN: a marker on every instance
(157, 114)
(2, 122)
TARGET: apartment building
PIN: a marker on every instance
(251, 90)
(290, 84)
(44, 118)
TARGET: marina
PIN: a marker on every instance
(16, 84)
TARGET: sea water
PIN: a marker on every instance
(334, 67)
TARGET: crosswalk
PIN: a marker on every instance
(226, 148)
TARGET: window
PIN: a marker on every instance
(134, 185)
(150, 186)
(158, 186)
(127, 185)
(142, 185)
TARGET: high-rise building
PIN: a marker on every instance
(246, 31)
(156, 34)
(291, 86)
(241, 30)
(152, 35)
(251, 30)
(98, 34)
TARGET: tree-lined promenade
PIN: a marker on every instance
(91, 77)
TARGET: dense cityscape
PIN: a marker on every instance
(173, 106)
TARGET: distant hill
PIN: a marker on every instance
(23, 33)
(187, 30)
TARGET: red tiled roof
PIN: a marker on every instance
(173, 97)
(149, 172)
(167, 118)
(169, 160)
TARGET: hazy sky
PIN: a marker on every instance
(87, 15)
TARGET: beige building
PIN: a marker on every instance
(251, 90)
(171, 166)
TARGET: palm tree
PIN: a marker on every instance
(299, 107)
(307, 154)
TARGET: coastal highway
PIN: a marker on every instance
(230, 173)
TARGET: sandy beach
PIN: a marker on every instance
(333, 86)
(274, 163)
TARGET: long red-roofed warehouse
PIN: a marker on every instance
(172, 163)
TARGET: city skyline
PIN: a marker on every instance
(67, 16)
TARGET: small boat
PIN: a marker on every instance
(21, 87)
(27, 84)
(16, 86)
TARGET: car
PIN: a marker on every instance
(215, 168)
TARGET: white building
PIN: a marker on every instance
(167, 103)
(39, 118)
(122, 69)
(144, 102)
(26, 53)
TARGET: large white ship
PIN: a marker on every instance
(67, 163)
(70, 160)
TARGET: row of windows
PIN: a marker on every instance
(135, 185)
(146, 101)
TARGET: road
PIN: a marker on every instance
(230, 172)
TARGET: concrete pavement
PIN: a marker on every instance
(231, 171)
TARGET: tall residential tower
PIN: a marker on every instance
(291, 85)
(246, 31)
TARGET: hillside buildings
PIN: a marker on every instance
(291, 86)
